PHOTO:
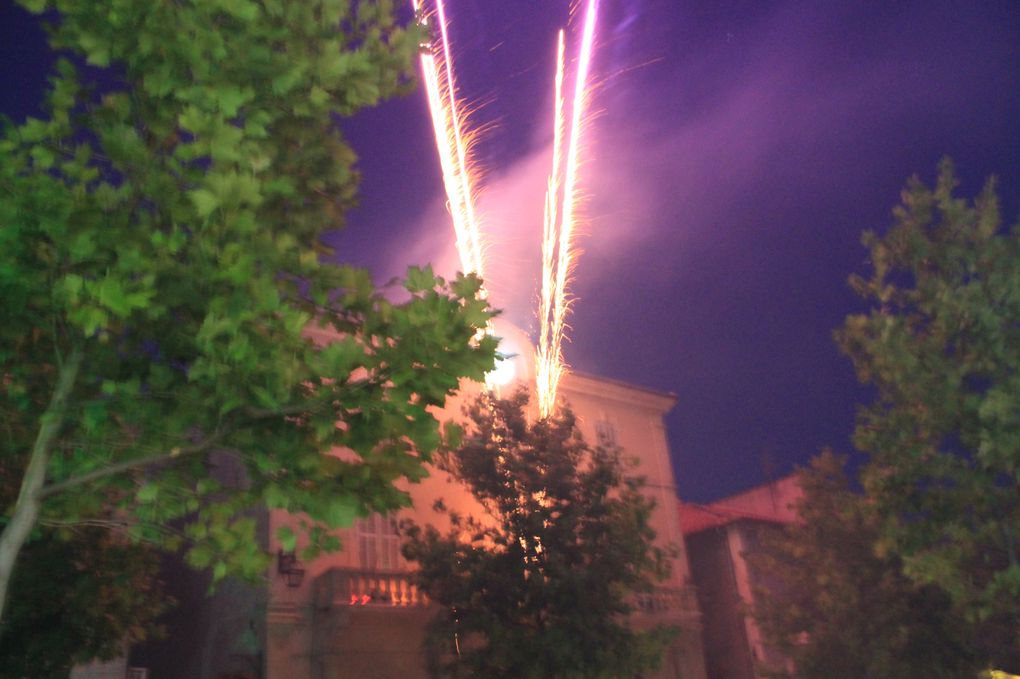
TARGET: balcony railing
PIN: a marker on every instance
(341, 587)
(667, 600)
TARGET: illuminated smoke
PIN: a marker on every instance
(559, 235)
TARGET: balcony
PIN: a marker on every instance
(671, 601)
(389, 589)
(396, 589)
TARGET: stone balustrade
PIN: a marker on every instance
(667, 600)
(342, 587)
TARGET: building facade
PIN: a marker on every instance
(719, 537)
(357, 614)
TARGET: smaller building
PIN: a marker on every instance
(718, 537)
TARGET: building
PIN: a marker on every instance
(719, 536)
(357, 614)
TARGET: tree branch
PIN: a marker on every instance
(26, 509)
(138, 463)
(251, 414)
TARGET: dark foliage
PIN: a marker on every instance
(77, 596)
(941, 345)
(836, 608)
(539, 584)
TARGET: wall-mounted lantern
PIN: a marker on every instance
(289, 567)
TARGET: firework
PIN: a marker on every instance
(548, 360)
(453, 145)
(561, 201)
(558, 244)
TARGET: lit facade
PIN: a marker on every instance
(357, 614)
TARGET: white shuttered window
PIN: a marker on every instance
(378, 543)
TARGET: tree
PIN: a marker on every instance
(75, 598)
(539, 585)
(941, 345)
(80, 592)
(835, 608)
(160, 262)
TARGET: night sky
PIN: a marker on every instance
(738, 151)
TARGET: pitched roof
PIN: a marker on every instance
(772, 502)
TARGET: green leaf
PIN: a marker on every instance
(193, 119)
(200, 556)
(245, 10)
(94, 414)
(35, 6)
(231, 98)
(420, 279)
(453, 435)
(339, 511)
(286, 81)
(159, 82)
(287, 539)
(276, 497)
(466, 287)
(73, 285)
(224, 148)
(97, 49)
(318, 96)
(264, 397)
(204, 201)
(148, 492)
(112, 295)
(42, 157)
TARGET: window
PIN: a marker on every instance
(605, 433)
(378, 543)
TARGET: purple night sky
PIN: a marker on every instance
(739, 150)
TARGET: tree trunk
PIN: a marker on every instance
(26, 510)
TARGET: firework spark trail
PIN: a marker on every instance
(547, 371)
(560, 223)
(464, 163)
(453, 148)
(550, 366)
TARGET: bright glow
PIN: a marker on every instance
(505, 372)
(559, 252)
(513, 360)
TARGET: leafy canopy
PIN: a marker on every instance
(941, 345)
(538, 586)
(835, 608)
(160, 262)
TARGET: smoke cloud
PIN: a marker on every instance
(734, 157)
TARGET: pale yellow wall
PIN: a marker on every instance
(637, 416)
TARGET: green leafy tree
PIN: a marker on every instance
(160, 263)
(941, 345)
(538, 586)
(835, 608)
